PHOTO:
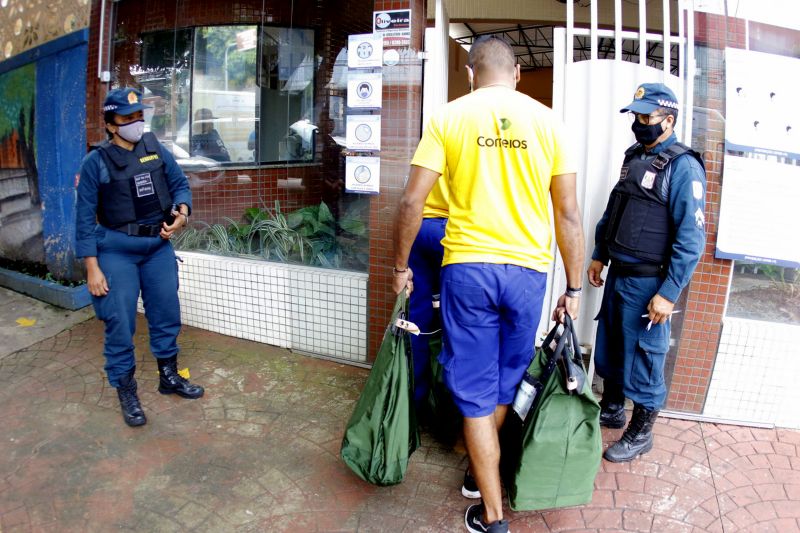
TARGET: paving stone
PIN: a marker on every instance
(260, 452)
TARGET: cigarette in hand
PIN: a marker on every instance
(650, 324)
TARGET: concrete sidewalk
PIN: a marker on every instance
(260, 453)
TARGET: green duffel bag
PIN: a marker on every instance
(382, 432)
(551, 458)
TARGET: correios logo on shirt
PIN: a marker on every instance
(499, 142)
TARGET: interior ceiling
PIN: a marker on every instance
(533, 44)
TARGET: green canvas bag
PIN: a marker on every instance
(382, 432)
(551, 459)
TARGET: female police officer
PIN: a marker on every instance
(132, 197)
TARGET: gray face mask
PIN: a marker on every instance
(132, 131)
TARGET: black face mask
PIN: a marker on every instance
(646, 134)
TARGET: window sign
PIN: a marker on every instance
(364, 89)
(394, 26)
(364, 51)
(363, 174)
(364, 132)
(761, 182)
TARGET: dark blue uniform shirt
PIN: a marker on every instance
(685, 185)
(93, 173)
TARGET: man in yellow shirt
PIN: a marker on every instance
(502, 153)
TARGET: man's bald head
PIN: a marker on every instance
(488, 54)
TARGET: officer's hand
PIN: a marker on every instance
(402, 280)
(595, 269)
(168, 229)
(659, 309)
(567, 304)
(96, 281)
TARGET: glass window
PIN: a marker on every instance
(164, 73)
(224, 93)
(267, 98)
(287, 131)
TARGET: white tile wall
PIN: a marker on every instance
(304, 308)
(757, 374)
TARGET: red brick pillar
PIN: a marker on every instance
(400, 130)
(96, 90)
(699, 339)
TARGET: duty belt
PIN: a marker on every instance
(639, 270)
(140, 230)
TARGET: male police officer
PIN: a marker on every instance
(652, 232)
(132, 197)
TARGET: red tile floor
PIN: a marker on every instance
(260, 453)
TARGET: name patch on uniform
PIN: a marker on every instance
(147, 158)
(648, 180)
(623, 173)
(697, 190)
(144, 185)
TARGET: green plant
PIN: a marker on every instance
(310, 235)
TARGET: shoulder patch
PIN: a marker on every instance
(697, 189)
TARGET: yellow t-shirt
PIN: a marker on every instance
(498, 150)
(437, 203)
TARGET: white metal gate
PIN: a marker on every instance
(588, 95)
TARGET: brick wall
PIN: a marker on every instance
(705, 299)
(400, 116)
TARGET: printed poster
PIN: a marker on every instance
(761, 180)
(394, 26)
(363, 174)
(758, 212)
(364, 89)
(364, 51)
(363, 132)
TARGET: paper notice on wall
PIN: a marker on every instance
(394, 26)
(758, 211)
(363, 174)
(761, 111)
(363, 132)
(364, 89)
(364, 51)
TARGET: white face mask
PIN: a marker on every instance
(132, 131)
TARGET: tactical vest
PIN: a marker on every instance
(137, 189)
(640, 224)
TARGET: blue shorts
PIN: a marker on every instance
(490, 314)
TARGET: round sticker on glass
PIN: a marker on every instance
(362, 174)
(363, 132)
(391, 57)
(364, 50)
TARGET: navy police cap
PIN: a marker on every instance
(124, 101)
(649, 97)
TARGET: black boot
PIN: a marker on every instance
(637, 439)
(129, 401)
(170, 382)
(612, 407)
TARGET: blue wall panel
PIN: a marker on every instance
(60, 147)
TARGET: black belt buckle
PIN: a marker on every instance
(142, 230)
(640, 270)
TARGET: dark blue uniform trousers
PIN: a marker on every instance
(132, 264)
(425, 261)
(626, 354)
